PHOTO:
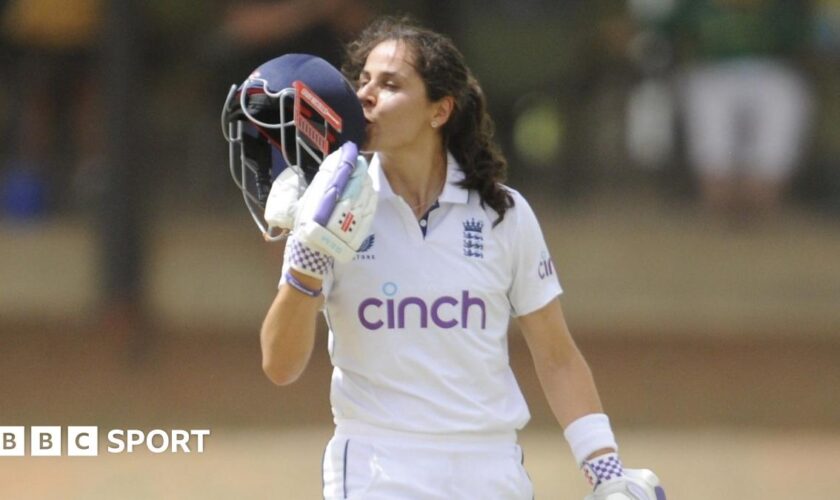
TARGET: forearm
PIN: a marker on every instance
(571, 392)
(287, 336)
(569, 387)
(567, 381)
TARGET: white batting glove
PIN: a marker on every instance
(281, 207)
(610, 481)
(334, 215)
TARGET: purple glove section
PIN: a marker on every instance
(660, 493)
(603, 468)
(306, 259)
(346, 164)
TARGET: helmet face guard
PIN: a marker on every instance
(271, 125)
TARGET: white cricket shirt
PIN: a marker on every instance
(418, 324)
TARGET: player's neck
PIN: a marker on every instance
(417, 178)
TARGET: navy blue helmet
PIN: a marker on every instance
(291, 112)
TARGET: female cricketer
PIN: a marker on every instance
(418, 259)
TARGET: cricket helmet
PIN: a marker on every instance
(291, 112)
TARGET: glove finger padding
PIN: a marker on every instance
(337, 210)
(282, 205)
(634, 484)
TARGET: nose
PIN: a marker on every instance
(366, 95)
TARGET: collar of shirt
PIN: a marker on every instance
(452, 192)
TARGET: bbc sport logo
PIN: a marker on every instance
(83, 441)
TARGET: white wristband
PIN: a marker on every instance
(588, 434)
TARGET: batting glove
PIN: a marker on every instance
(281, 207)
(610, 481)
(334, 215)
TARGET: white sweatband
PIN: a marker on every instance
(589, 434)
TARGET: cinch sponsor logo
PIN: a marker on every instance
(83, 441)
(545, 267)
(393, 313)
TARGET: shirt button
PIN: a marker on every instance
(423, 222)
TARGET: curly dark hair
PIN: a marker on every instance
(468, 134)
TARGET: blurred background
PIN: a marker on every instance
(681, 155)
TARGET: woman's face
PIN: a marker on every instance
(394, 100)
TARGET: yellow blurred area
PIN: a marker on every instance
(53, 23)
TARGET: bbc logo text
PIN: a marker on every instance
(83, 441)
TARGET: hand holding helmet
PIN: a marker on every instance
(333, 217)
(337, 210)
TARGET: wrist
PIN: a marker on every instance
(303, 283)
(589, 435)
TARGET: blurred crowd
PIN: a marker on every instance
(730, 104)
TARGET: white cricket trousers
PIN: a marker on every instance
(396, 467)
(747, 114)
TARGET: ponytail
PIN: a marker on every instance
(469, 136)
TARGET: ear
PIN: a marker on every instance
(442, 111)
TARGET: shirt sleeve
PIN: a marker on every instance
(535, 280)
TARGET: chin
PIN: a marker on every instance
(371, 145)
